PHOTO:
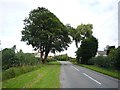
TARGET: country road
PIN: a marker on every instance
(73, 76)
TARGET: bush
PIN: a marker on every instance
(12, 59)
(114, 57)
(92, 61)
(12, 72)
(51, 60)
(8, 74)
(8, 58)
(26, 59)
(101, 61)
(62, 57)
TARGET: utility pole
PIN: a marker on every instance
(119, 23)
(0, 66)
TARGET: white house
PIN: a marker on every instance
(101, 53)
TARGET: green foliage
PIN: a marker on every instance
(26, 58)
(114, 55)
(101, 61)
(45, 77)
(72, 59)
(8, 58)
(12, 59)
(111, 72)
(16, 71)
(109, 49)
(110, 61)
(87, 50)
(85, 30)
(82, 32)
(63, 57)
(51, 60)
(45, 32)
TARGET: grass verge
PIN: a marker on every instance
(16, 71)
(109, 72)
(45, 77)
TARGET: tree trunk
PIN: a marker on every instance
(41, 57)
(46, 55)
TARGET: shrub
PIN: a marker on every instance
(92, 61)
(26, 58)
(62, 57)
(114, 57)
(12, 72)
(51, 60)
(8, 58)
(8, 74)
(101, 61)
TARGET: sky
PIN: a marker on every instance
(103, 14)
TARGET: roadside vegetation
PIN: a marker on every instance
(16, 71)
(107, 71)
(109, 65)
(46, 76)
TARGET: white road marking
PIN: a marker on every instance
(92, 78)
(75, 68)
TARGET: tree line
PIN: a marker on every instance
(10, 58)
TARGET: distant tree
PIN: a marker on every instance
(45, 32)
(20, 56)
(82, 32)
(63, 57)
(8, 58)
(87, 50)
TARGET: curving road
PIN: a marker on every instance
(73, 76)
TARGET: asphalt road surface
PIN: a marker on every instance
(73, 76)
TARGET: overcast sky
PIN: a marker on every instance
(103, 14)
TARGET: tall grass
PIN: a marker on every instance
(16, 71)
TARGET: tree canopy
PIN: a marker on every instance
(87, 49)
(8, 58)
(80, 33)
(45, 32)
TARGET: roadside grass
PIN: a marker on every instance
(16, 71)
(110, 72)
(45, 77)
(54, 63)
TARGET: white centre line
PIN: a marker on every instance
(75, 68)
(92, 78)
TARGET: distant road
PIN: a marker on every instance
(73, 76)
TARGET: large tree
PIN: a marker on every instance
(87, 50)
(45, 32)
